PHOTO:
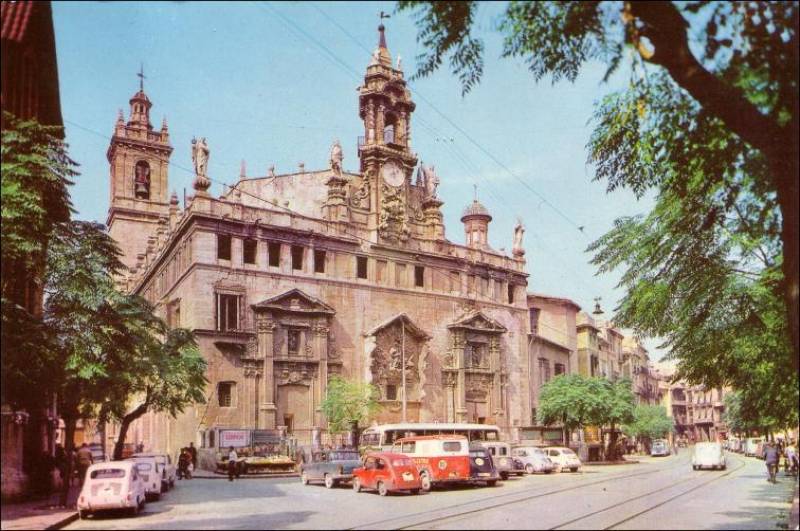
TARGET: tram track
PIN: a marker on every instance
(501, 500)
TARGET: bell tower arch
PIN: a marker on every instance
(138, 156)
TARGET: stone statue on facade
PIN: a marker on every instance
(200, 154)
(429, 180)
(336, 157)
(399, 63)
(519, 231)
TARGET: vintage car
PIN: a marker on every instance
(563, 458)
(169, 472)
(504, 461)
(150, 473)
(533, 459)
(387, 472)
(330, 466)
(112, 485)
(660, 447)
(481, 467)
(439, 459)
(750, 446)
(709, 455)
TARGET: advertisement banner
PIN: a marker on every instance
(235, 438)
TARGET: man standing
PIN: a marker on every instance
(193, 453)
(85, 459)
(771, 456)
(232, 461)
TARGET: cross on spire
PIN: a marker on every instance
(141, 77)
(382, 40)
(475, 187)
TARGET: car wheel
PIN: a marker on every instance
(491, 483)
(557, 469)
(574, 469)
(356, 484)
(426, 482)
(529, 468)
(382, 490)
(723, 467)
(504, 476)
(303, 478)
(82, 515)
(329, 481)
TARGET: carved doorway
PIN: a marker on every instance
(477, 412)
(294, 409)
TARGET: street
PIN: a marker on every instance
(658, 493)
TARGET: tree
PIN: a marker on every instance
(573, 401)
(649, 422)
(709, 121)
(347, 405)
(619, 407)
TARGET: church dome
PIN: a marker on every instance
(475, 210)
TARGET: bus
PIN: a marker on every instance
(381, 437)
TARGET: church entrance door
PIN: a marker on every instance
(294, 407)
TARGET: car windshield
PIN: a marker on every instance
(538, 451)
(107, 473)
(451, 446)
(567, 451)
(477, 453)
(344, 456)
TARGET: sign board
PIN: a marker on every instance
(235, 438)
(266, 436)
(591, 434)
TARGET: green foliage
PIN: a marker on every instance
(574, 401)
(649, 421)
(348, 404)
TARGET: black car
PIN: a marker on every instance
(330, 466)
(481, 467)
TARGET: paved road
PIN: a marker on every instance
(656, 494)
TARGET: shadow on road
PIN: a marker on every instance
(769, 503)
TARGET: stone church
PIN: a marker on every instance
(290, 279)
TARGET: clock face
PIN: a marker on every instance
(392, 174)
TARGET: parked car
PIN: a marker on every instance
(481, 467)
(169, 472)
(440, 459)
(150, 472)
(760, 447)
(563, 458)
(387, 472)
(112, 485)
(504, 461)
(750, 446)
(708, 454)
(533, 459)
(660, 447)
(330, 466)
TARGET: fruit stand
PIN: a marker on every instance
(259, 451)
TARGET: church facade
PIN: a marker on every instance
(290, 279)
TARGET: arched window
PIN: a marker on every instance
(142, 180)
(389, 129)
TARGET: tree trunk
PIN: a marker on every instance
(611, 451)
(119, 445)
(69, 447)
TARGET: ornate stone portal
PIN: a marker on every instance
(473, 371)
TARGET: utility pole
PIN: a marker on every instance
(403, 364)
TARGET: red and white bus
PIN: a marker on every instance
(381, 438)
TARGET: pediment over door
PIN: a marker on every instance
(398, 321)
(294, 301)
(478, 322)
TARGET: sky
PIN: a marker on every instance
(274, 83)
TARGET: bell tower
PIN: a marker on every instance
(387, 162)
(139, 157)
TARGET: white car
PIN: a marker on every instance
(563, 458)
(659, 447)
(533, 459)
(169, 472)
(708, 454)
(150, 472)
(112, 485)
(750, 446)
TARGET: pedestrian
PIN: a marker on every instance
(84, 457)
(771, 457)
(183, 464)
(61, 463)
(193, 452)
(140, 447)
(232, 462)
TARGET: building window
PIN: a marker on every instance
(361, 266)
(293, 342)
(544, 371)
(249, 251)
(594, 365)
(533, 416)
(225, 393)
(228, 312)
(400, 275)
(511, 293)
(223, 247)
(380, 271)
(559, 368)
(142, 180)
(419, 276)
(274, 252)
(391, 392)
(319, 261)
(534, 317)
(455, 281)
(297, 257)
(174, 314)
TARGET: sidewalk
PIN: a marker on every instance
(207, 474)
(40, 514)
(794, 518)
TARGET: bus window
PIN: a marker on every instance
(491, 436)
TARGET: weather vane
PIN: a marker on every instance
(141, 77)
(383, 16)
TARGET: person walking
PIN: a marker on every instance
(84, 458)
(771, 456)
(193, 451)
(233, 459)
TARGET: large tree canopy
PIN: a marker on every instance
(709, 121)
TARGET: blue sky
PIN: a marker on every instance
(251, 78)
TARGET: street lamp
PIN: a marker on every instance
(597, 310)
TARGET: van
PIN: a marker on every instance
(750, 446)
(440, 459)
(708, 455)
(111, 485)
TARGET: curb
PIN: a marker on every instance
(64, 521)
(609, 463)
(251, 476)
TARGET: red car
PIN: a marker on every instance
(387, 472)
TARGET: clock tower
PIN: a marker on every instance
(387, 162)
